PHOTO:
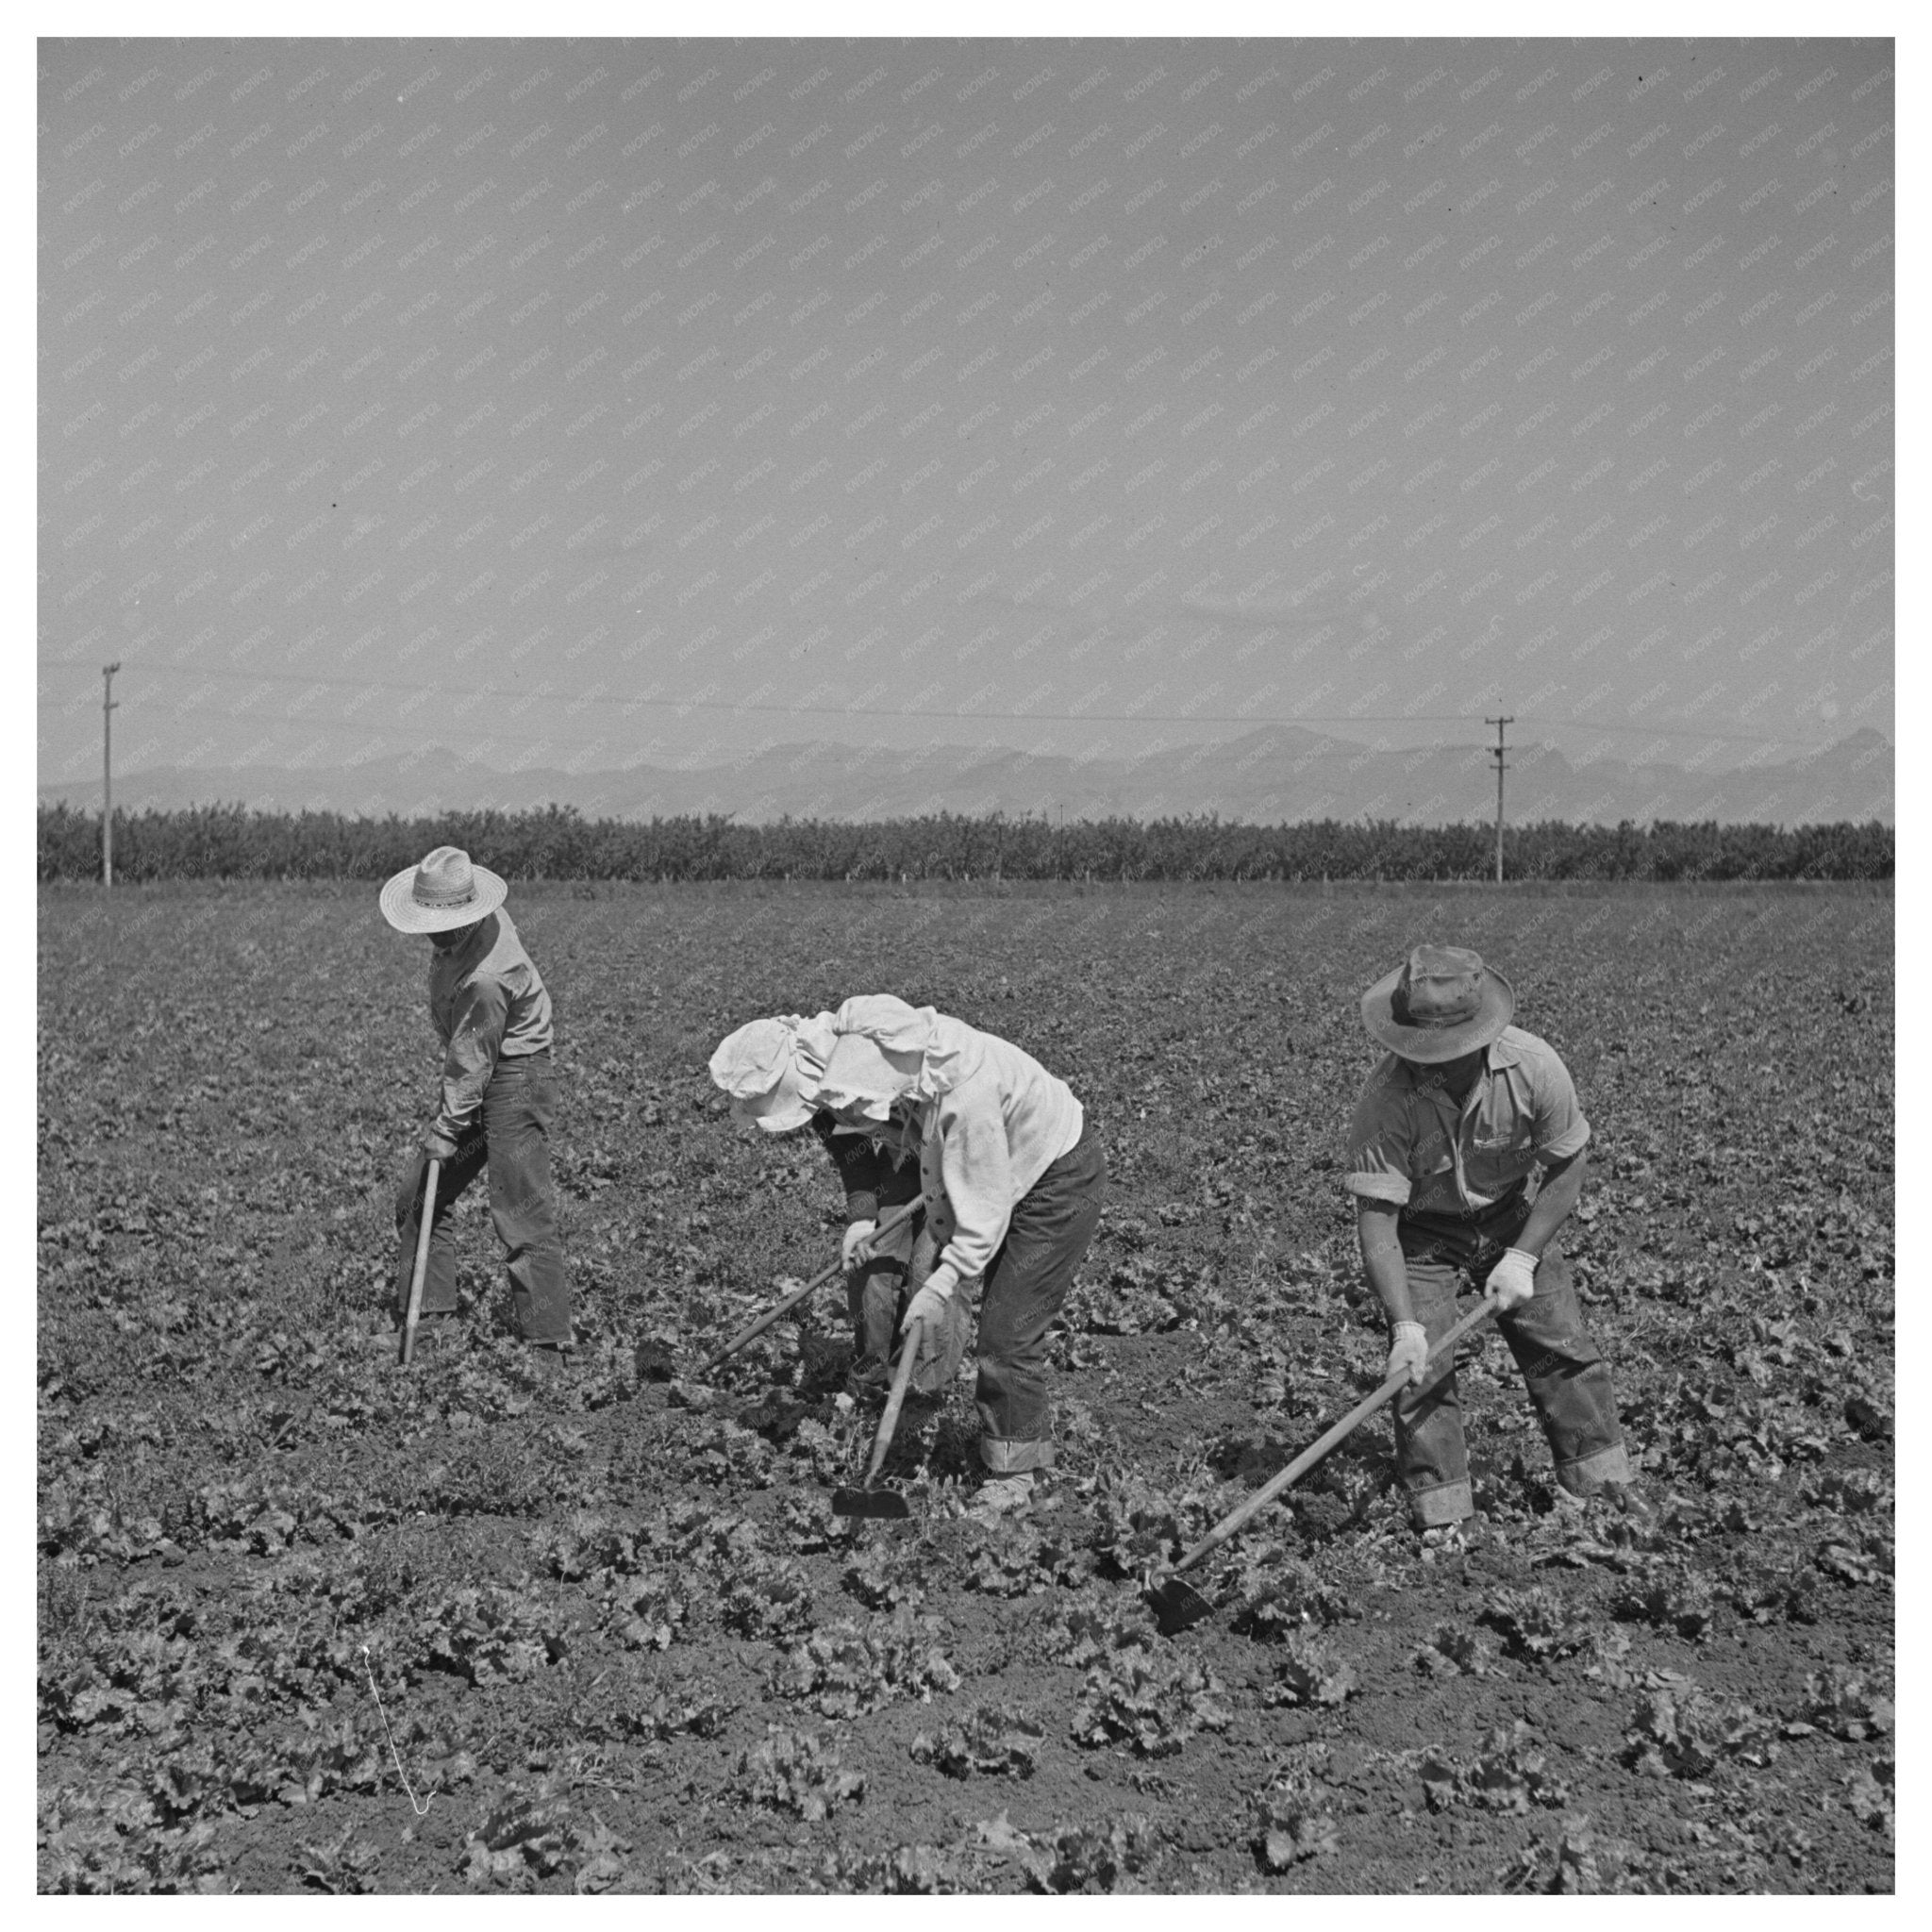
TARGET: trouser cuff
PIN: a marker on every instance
(1587, 1475)
(1445, 1504)
(1010, 1456)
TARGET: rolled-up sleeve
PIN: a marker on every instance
(479, 1016)
(1559, 1127)
(1380, 1145)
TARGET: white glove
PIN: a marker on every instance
(1512, 1280)
(927, 1307)
(858, 1237)
(1408, 1351)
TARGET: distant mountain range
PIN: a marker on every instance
(1279, 774)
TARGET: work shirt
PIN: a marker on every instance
(876, 1172)
(984, 1140)
(488, 1003)
(1410, 1144)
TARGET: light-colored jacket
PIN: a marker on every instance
(995, 1121)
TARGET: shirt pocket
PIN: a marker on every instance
(1500, 1158)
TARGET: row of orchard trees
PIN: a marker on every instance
(558, 842)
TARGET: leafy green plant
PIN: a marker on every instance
(992, 1740)
(1152, 1700)
(796, 1772)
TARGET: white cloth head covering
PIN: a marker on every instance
(888, 1051)
(769, 1068)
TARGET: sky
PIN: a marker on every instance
(591, 404)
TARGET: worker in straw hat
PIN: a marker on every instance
(499, 1095)
(1459, 1113)
(768, 1068)
(1009, 1153)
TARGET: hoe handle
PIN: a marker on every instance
(414, 1312)
(909, 1353)
(1318, 1449)
(752, 1330)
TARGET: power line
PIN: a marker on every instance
(607, 701)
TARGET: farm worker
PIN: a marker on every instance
(1455, 1117)
(499, 1092)
(767, 1068)
(1007, 1156)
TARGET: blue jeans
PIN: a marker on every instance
(1025, 1288)
(511, 1137)
(1569, 1381)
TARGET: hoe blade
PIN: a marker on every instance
(1177, 1605)
(879, 1503)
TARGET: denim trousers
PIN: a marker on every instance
(877, 1295)
(511, 1137)
(1569, 1381)
(1024, 1287)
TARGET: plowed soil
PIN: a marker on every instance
(619, 1641)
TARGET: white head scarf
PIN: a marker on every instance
(770, 1067)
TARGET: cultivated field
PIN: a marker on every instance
(621, 1642)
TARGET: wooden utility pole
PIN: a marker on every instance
(107, 672)
(1501, 768)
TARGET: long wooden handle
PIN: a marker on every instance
(752, 1330)
(1318, 1449)
(414, 1312)
(896, 1401)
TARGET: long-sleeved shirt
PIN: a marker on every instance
(999, 1125)
(488, 1003)
(1411, 1145)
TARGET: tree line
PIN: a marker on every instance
(558, 842)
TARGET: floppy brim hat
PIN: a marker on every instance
(863, 1076)
(1439, 1003)
(445, 891)
(768, 1066)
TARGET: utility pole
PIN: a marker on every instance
(1501, 768)
(107, 672)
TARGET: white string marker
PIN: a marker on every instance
(421, 1811)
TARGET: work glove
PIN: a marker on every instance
(928, 1306)
(1512, 1280)
(857, 1247)
(1409, 1350)
(437, 1146)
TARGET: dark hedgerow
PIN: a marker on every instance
(222, 842)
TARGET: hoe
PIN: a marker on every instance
(752, 1330)
(414, 1312)
(1175, 1603)
(870, 1500)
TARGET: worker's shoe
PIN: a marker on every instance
(1002, 1496)
(547, 1364)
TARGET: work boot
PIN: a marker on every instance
(1001, 1497)
(1633, 1505)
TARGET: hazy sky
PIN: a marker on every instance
(578, 405)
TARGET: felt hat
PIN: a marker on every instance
(445, 891)
(1439, 1003)
(768, 1067)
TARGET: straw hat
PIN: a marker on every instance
(769, 1066)
(445, 891)
(1439, 1003)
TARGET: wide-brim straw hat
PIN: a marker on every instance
(768, 1067)
(1439, 1003)
(445, 891)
